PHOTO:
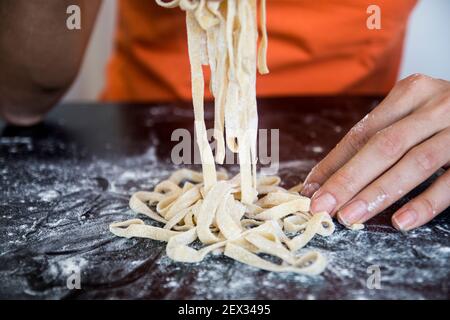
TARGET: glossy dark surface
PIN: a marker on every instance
(64, 181)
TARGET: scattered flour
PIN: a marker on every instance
(375, 204)
(71, 265)
(300, 165)
(71, 210)
(317, 149)
(49, 195)
(360, 126)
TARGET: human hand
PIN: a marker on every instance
(393, 149)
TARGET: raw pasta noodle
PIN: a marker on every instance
(244, 216)
(219, 220)
(223, 35)
(356, 226)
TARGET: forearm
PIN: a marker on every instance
(39, 56)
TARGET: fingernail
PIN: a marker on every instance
(325, 202)
(309, 189)
(353, 213)
(405, 220)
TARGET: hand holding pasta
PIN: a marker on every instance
(244, 215)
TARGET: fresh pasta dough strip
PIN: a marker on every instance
(280, 211)
(262, 52)
(315, 264)
(178, 249)
(228, 225)
(185, 200)
(219, 221)
(315, 225)
(208, 211)
(356, 226)
(225, 214)
(296, 222)
(196, 37)
(184, 174)
(276, 198)
(272, 247)
(138, 204)
(136, 228)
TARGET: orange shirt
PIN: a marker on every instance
(315, 47)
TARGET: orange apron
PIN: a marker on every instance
(320, 47)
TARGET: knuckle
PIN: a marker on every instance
(356, 140)
(380, 195)
(388, 142)
(446, 98)
(426, 159)
(442, 111)
(413, 82)
(381, 191)
(438, 113)
(320, 172)
(345, 182)
(447, 181)
(312, 176)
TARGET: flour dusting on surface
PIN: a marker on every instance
(55, 212)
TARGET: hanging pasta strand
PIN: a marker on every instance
(197, 56)
(226, 214)
(219, 80)
(262, 52)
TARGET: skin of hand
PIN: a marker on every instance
(39, 56)
(398, 145)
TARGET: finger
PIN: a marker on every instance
(381, 152)
(415, 167)
(424, 207)
(408, 95)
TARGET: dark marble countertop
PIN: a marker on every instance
(64, 181)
